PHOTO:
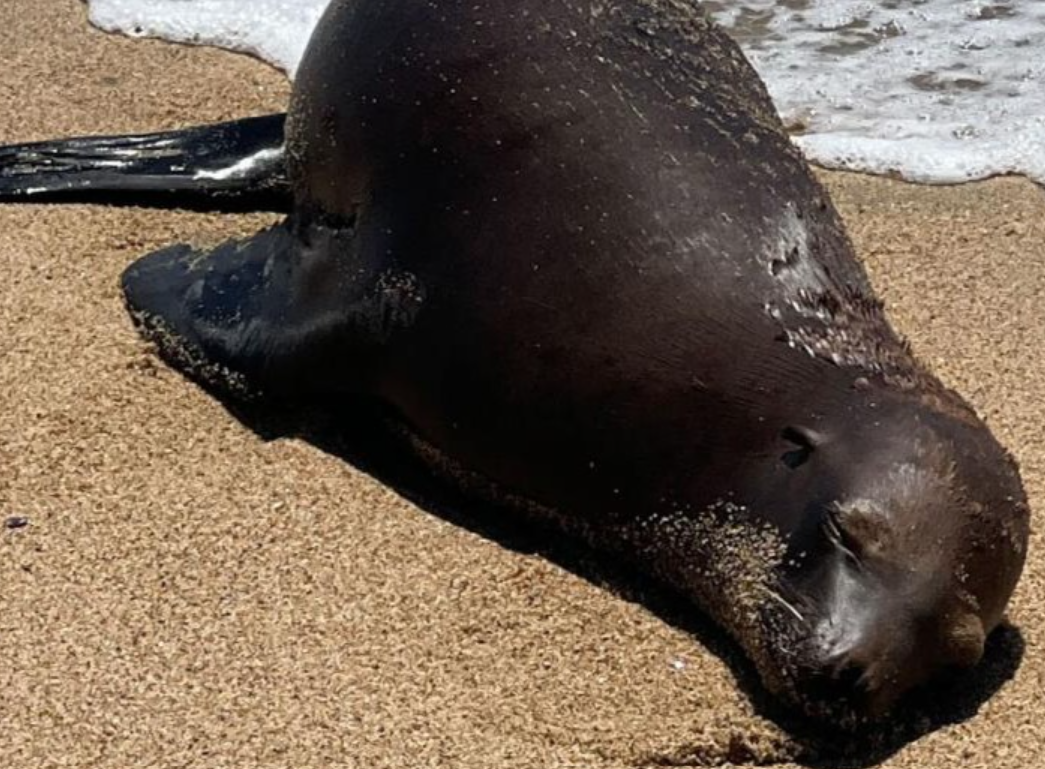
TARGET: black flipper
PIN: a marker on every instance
(294, 310)
(232, 166)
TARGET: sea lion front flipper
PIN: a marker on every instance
(292, 310)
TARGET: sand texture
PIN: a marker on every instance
(192, 592)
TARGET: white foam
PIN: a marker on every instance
(273, 30)
(935, 91)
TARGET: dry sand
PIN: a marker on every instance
(189, 594)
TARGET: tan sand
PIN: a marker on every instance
(187, 594)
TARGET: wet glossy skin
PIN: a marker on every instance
(571, 245)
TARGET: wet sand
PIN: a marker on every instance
(189, 593)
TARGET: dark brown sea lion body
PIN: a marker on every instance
(570, 244)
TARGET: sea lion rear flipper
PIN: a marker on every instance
(227, 166)
(292, 310)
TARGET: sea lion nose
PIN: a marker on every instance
(868, 687)
(857, 679)
(849, 682)
(852, 689)
(866, 674)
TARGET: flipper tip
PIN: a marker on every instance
(158, 291)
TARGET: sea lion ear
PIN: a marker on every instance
(860, 527)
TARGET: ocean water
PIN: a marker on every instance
(933, 91)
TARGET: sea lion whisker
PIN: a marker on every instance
(785, 603)
(838, 537)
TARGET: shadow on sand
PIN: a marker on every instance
(358, 433)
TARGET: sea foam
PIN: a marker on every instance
(273, 30)
(935, 91)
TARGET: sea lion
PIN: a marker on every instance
(571, 246)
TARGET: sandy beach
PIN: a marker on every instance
(189, 592)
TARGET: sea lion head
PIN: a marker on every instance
(906, 560)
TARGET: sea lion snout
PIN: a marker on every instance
(913, 563)
(863, 661)
(862, 636)
(880, 636)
